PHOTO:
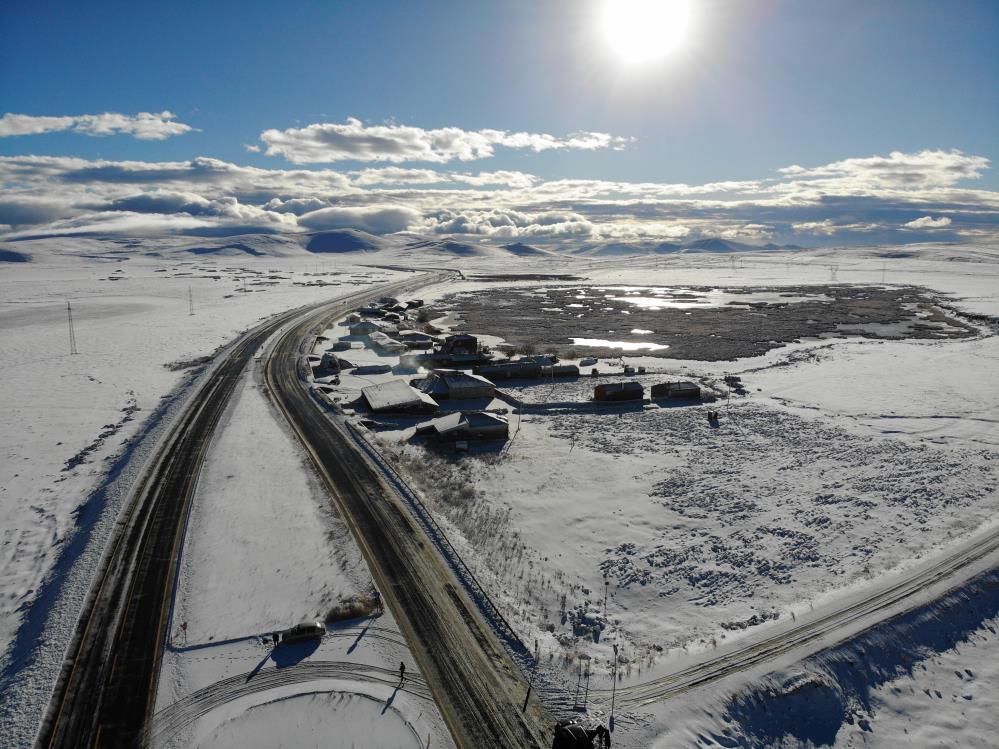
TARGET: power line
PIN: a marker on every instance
(72, 332)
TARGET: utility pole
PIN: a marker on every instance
(530, 680)
(579, 681)
(72, 332)
(190, 301)
(613, 689)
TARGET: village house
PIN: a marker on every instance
(454, 384)
(397, 396)
(470, 425)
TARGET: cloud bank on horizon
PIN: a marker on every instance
(897, 198)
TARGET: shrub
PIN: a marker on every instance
(355, 607)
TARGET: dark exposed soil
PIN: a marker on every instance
(542, 318)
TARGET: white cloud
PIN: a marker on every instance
(373, 219)
(825, 227)
(397, 175)
(144, 125)
(354, 141)
(900, 170)
(750, 232)
(928, 222)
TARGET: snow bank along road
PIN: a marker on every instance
(107, 688)
(828, 627)
(478, 688)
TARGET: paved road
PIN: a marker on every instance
(107, 688)
(478, 689)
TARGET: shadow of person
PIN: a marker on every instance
(256, 669)
(285, 655)
(356, 642)
(391, 699)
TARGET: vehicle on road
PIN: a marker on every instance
(304, 631)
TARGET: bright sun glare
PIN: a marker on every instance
(641, 31)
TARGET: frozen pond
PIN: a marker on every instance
(622, 345)
(663, 297)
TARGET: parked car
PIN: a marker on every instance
(304, 631)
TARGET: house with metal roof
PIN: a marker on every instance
(455, 384)
(396, 396)
(468, 425)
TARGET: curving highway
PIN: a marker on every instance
(107, 687)
(478, 689)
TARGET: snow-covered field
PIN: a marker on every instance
(847, 460)
(79, 427)
(264, 551)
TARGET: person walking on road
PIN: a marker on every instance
(402, 672)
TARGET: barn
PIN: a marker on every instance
(619, 391)
(684, 390)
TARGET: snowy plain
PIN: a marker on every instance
(847, 461)
(704, 535)
(265, 550)
(78, 428)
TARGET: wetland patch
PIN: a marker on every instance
(704, 323)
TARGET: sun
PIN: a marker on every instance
(643, 31)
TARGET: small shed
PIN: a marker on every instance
(410, 336)
(452, 383)
(385, 343)
(560, 370)
(463, 345)
(510, 370)
(396, 396)
(684, 390)
(365, 327)
(333, 362)
(343, 345)
(619, 391)
(469, 425)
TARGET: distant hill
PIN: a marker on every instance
(524, 250)
(344, 240)
(449, 246)
(234, 248)
(707, 244)
(10, 256)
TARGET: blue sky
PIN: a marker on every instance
(757, 86)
